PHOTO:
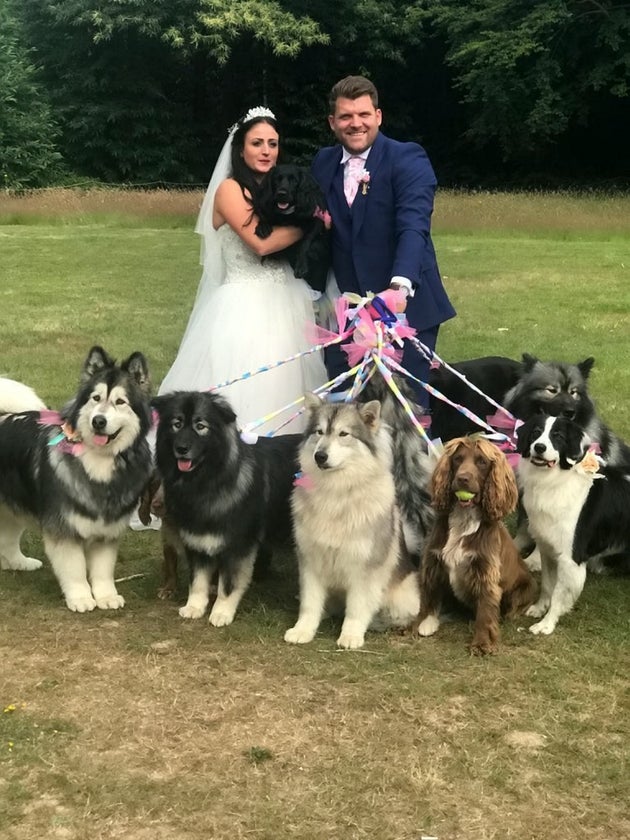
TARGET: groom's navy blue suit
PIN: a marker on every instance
(386, 233)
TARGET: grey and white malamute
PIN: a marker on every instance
(347, 525)
(78, 476)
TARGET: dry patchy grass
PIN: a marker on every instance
(553, 212)
(139, 725)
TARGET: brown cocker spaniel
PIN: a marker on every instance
(470, 550)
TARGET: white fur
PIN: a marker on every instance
(11, 530)
(339, 516)
(83, 566)
(16, 397)
(198, 593)
(120, 420)
(553, 499)
(206, 543)
(462, 522)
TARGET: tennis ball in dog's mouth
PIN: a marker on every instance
(464, 495)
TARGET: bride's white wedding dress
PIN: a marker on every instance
(256, 316)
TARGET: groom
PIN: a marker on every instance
(380, 195)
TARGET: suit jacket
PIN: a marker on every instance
(386, 232)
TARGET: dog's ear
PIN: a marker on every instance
(138, 369)
(162, 404)
(96, 360)
(500, 493)
(308, 194)
(529, 361)
(370, 413)
(441, 492)
(586, 366)
(312, 402)
(263, 205)
(222, 407)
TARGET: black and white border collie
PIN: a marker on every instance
(578, 510)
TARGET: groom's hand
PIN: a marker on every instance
(395, 298)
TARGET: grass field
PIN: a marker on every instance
(137, 725)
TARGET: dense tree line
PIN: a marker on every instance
(140, 91)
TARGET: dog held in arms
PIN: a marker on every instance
(470, 551)
(228, 500)
(578, 510)
(347, 526)
(289, 195)
(81, 480)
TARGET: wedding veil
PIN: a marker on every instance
(210, 256)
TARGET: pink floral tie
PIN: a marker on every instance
(353, 169)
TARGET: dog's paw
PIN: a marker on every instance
(533, 561)
(221, 617)
(427, 626)
(112, 601)
(165, 592)
(191, 611)
(543, 627)
(81, 603)
(538, 609)
(263, 230)
(20, 564)
(482, 648)
(300, 269)
(351, 641)
(299, 635)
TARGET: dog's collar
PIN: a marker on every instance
(68, 439)
(301, 480)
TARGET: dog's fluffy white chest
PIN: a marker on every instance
(462, 523)
(553, 499)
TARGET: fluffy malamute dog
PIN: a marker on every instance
(82, 488)
(347, 525)
(228, 500)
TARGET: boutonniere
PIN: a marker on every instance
(364, 179)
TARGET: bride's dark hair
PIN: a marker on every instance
(240, 171)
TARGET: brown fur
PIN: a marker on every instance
(152, 501)
(486, 570)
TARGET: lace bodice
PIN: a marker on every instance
(243, 265)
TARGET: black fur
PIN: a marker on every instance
(30, 468)
(493, 375)
(604, 520)
(80, 487)
(215, 484)
(561, 389)
(289, 195)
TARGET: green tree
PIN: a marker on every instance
(138, 85)
(28, 151)
(529, 70)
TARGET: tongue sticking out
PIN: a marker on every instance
(283, 205)
(100, 440)
(184, 466)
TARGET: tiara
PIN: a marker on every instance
(258, 111)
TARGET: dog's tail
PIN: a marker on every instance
(16, 397)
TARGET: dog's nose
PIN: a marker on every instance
(321, 457)
(539, 448)
(99, 422)
(181, 451)
(463, 477)
(568, 412)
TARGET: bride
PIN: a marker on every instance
(249, 311)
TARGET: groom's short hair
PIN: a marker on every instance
(352, 87)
